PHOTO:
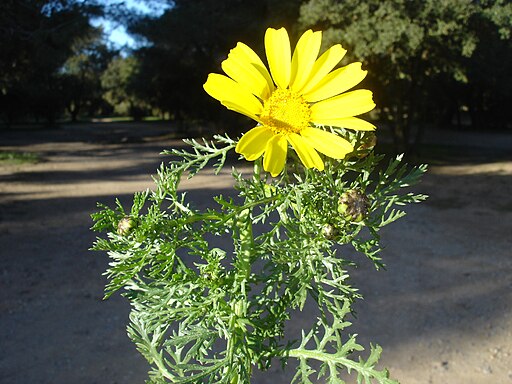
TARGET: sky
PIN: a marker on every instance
(116, 32)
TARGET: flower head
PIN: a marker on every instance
(354, 205)
(291, 102)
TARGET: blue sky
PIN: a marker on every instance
(115, 31)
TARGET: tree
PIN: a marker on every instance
(184, 46)
(81, 73)
(189, 40)
(118, 86)
(421, 54)
(37, 39)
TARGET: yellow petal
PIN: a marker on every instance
(323, 66)
(277, 47)
(346, 105)
(336, 82)
(304, 56)
(252, 57)
(253, 142)
(240, 68)
(350, 123)
(275, 155)
(246, 76)
(306, 152)
(327, 143)
(229, 92)
(240, 109)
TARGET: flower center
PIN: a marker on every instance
(285, 112)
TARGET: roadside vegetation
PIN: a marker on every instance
(17, 158)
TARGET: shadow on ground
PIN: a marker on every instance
(441, 310)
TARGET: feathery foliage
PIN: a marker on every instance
(212, 290)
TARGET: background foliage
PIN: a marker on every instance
(427, 59)
(38, 37)
(430, 62)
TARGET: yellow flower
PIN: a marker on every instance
(300, 93)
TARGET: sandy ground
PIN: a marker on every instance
(442, 311)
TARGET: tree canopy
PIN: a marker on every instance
(428, 61)
(82, 71)
(190, 40)
(426, 58)
(37, 38)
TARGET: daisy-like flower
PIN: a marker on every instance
(300, 94)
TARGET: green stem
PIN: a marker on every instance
(243, 226)
(220, 217)
(329, 358)
(324, 357)
(244, 246)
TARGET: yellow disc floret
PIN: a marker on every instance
(285, 112)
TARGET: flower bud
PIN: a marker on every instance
(354, 205)
(329, 231)
(125, 225)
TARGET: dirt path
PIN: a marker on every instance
(442, 311)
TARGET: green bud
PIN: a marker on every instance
(329, 231)
(354, 205)
(125, 225)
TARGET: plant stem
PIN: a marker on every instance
(244, 245)
(243, 239)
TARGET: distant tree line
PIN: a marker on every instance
(429, 61)
(55, 64)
